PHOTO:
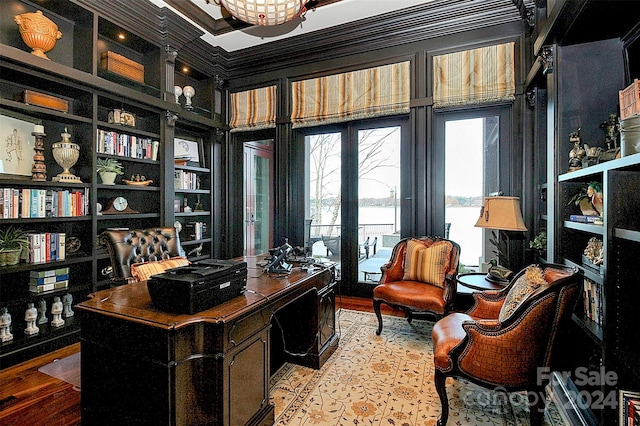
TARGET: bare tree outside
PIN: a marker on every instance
(325, 162)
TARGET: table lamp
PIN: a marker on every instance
(500, 213)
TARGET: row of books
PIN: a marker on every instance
(52, 279)
(113, 143)
(32, 203)
(47, 247)
(185, 180)
(195, 230)
(629, 408)
(593, 301)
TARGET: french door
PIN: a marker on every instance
(476, 146)
(258, 200)
(353, 194)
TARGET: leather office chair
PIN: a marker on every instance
(508, 335)
(419, 278)
(135, 246)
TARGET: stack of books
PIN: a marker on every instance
(597, 220)
(53, 279)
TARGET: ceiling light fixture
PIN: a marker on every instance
(263, 12)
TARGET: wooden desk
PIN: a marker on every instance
(144, 366)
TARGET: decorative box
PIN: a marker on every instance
(122, 66)
(630, 100)
(30, 97)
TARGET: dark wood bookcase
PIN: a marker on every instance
(573, 82)
(76, 75)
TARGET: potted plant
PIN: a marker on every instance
(12, 241)
(539, 243)
(108, 169)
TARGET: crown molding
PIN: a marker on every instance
(401, 27)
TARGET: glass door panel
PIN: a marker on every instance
(323, 188)
(471, 158)
(258, 201)
(378, 199)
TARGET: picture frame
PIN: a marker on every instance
(16, 144)
(628, 404)
(189, 152)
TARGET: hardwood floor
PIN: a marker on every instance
(29, 397)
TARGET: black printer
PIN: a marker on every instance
(199, 286)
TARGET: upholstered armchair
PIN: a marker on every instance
(156, 248)
(507, 337)
(420, 278)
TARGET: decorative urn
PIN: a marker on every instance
(38, 32)
(66, 154)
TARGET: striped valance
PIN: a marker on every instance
(474, 76)
(253, 109)
(352, 95)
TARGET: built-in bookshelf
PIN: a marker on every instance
(569, 99)
(110, 86)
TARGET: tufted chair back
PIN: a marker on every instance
(127, 247)
(504, 340)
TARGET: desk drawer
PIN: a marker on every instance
(240, 330)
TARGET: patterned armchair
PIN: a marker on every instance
(508, 335)
(156, 248)
(420, 278)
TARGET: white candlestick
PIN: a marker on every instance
(38, 128)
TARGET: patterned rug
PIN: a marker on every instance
(387, 380)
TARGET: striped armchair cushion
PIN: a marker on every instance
(427, 261)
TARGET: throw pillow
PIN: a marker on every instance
(143, 270)
(522, 288)
(426, 262)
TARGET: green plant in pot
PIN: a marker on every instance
(539, 243)
(12, 241)
(108, 169)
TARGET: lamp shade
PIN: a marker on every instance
(264, 12)
(502, 213)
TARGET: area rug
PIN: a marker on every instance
(66, 369)
(387, 380)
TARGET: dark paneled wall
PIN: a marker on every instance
(337, 53)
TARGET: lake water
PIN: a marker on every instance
(462, 230)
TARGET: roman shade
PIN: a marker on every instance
(253, 109)
(372, 92)
(474, 76)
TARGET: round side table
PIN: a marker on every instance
(476, 281)
(469, 283)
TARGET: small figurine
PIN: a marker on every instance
(612, 136)
(593, 155)
(67, 300)
(198, 207)
(30, 316)
(186, 207)
(5, 326)
(612, 131)
(594, 192)
(42, 311)
(56, 311)
(196, 251)
(577, 153)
